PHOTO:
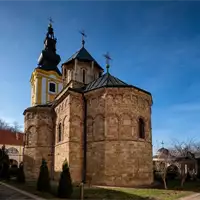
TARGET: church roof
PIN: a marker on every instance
(49, 59)
(7, 137)
(107, 80)
(50, 68)
(82, 55)
(163, 150)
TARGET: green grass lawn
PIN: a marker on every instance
(174, 192)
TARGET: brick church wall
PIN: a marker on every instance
(39, 128)
(116, 156)
(95, 137)
(128, 159)
(76, 137)
(69, 114)
(61, 147)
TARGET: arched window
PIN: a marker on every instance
(141, 128)
(12, 150)
(59, 132)
(83, 76)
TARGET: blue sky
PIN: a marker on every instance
(154, 45)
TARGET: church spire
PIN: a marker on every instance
(108, 58)
(48, 58)
(50, 40)
(46, 80)
(50, 33)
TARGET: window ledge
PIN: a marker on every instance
(142, 139)
(52, 92)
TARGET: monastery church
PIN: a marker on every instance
(100, 124)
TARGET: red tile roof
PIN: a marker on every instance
(11, 138)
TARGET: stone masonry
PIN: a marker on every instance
(98, 123)
(116, 156)
(39, 129)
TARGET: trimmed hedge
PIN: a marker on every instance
(43, 182)
(65, 187)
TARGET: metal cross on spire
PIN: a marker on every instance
(83, 36)
(50, 21)
(162, 144)
(108, 58)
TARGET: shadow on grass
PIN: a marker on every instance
(89, 193)
(104, 193)
(190, 186)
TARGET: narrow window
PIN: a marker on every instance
(65, 72)
(27, 138)
(99, 74)
(52, 87)
(83, 76)
(59, 132)
(141, 129)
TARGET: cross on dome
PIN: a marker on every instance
(108, 58)
(83, 37)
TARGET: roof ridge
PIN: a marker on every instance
(107, 80)
(92, 83)
(120, 80)
(82, 54)
(110, 78)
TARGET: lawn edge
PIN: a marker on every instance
(189, 196)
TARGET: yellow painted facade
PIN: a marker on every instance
(40, 89)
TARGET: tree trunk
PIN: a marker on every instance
(164, 181)
(183, 180)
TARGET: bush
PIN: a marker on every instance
(4, 163)
(171, 176)
(20, 174)
(13, 171)
(157, 176)
(5, 171)
(65, 187)
(43, 182)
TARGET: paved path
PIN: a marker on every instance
(191, 197)
(9, 193)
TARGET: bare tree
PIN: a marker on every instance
(182, 148)
(162, 164)
(196, 147)
(16, 127)
(183, 152)
(3, 125)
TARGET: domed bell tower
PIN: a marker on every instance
(81, 68)
(46, 79)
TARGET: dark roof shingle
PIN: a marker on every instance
(107, 80)
(82, 55)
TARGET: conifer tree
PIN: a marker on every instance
(4, 163)
(20, 174)
(43, 182)
(65, 187)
